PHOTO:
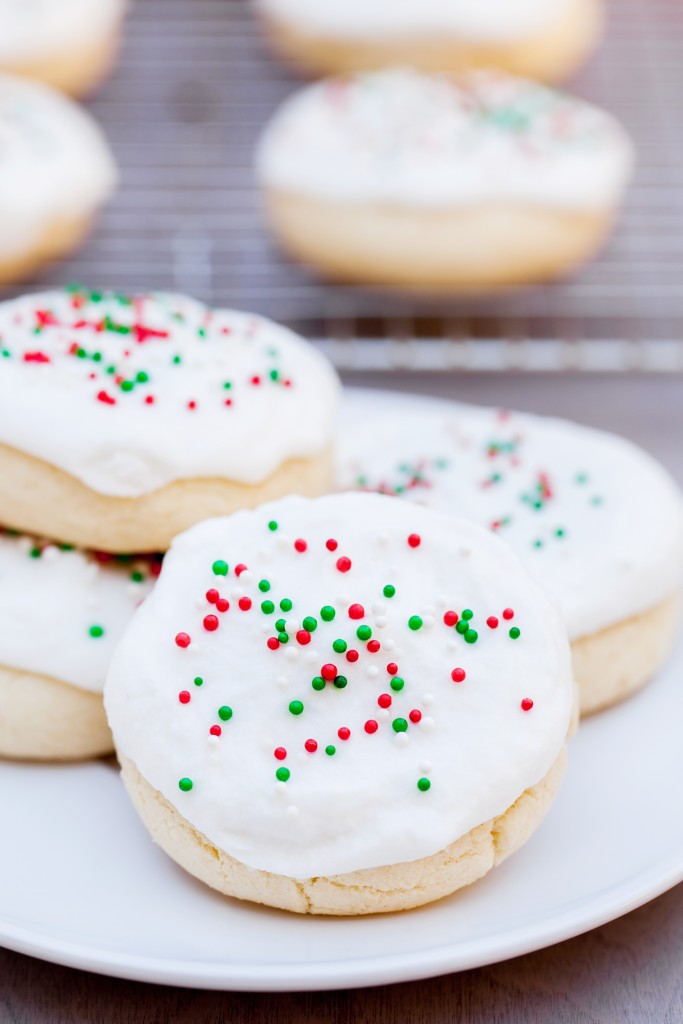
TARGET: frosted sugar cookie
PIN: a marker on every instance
(594, 518)
(55, 173)
(315, 710)
(424, 181)
(125, 420)
(540, 38)
(69, 44)
(62, 613)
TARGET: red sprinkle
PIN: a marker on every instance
(183, 639)
(343, 733)
(184, 697)
(102, 396)
(356, 611)
(36, 357)
(450, 618)
(273, 643)
(392, 668)
(371, 726)
(311, 746)
(212, 596)
(245, 603)
(256, 380)
(415, 715)
(210, 622)
(303, 637)
(215, 730)
(222, 604)
(331, 544)
(192, 404)
(352, 656)
(492, 622)
(300, 544)
(280, 753)
(458, 674)
(239, 569)
(384, 700)
(414, 540)
(508, 613)
(373, 646)
(329, 672)
(149, 400)
(527, 704)
(343, 564)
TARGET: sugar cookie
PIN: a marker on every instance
(315, 710)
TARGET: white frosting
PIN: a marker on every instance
(63, 611)
(55, 164)
(620, 549)
(129, 395)
(468, 20)
(359, 807)
(34, 30)
(404, 137)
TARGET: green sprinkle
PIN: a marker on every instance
(399, 725)
(225, 713)
(227, 384)
(280, 625)
(198, 681)
(141, 376)
(96, 357)
(274, 374)
(389, 590)
(185, 785)
(538, 543)
(415, 622)
(461, 626)
(176, 360)
(340, 682)
(339, 646)
(127, 385)
(467, 614)
(282, 774)
(272, 525)
(397, 683)
(581, 478)
(35, 552)
(318, 683)
(310, 623)
(286, 604)
(110, 370)
(327, 613)
(596, 500)
(264, 586)
(559, 532)
(96, 631)
(363, 632)
(423, 785)
(137, 576)
(283, 637)
(330, 750)
(220, 568)
(514, 633)
(267, 607)
(295, 707)
(471, 636)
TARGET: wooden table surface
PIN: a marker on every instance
(629, 971)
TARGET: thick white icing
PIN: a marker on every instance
(129, 395)
(620, 549)
(360, 807)
(33, 30)
(399, 136)
(468, 20)
(55, 164)
(51, 598)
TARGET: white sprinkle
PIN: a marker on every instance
(266, 628)
(401, 739)
(302, 757)
(292, 811)
(372, 671)
(292, 625)
(200, 604)
(284, 540)
(427, 699)
(25, 545)
(291, 653)
(453, 645)
(381, 621)
(50, 553)
(383, 714)
(311, 657)
(246, 576)
(442, 601)
(389, 644)
(343, 600)
(133, 590)
(428, 621)
(465, 551)
(428, 724)
(212, 740)
(282, 682)
(430, 610)
(425, 766)
(281, 789)
(379, 608)
(383, 538)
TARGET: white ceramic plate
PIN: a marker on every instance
(83, 885)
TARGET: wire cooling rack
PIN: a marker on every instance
(183, 112)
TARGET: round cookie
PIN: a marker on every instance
(427, 182)
(545, 39)
(56, 171)
(341, 706)
(62, 612)
(125, 420)
(595, 519)
(68, 44)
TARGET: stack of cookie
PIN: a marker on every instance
(123, 421)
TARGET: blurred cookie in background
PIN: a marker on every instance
(69, 44)
(545, 39)
(439, 183)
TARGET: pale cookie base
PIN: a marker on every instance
(451, 249)
(39, 498)
(550, 55)
(58, 239)
(44, 719)
(75, 71)
(372, 891)
(612, 664)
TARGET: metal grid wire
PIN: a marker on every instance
(183, 112)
